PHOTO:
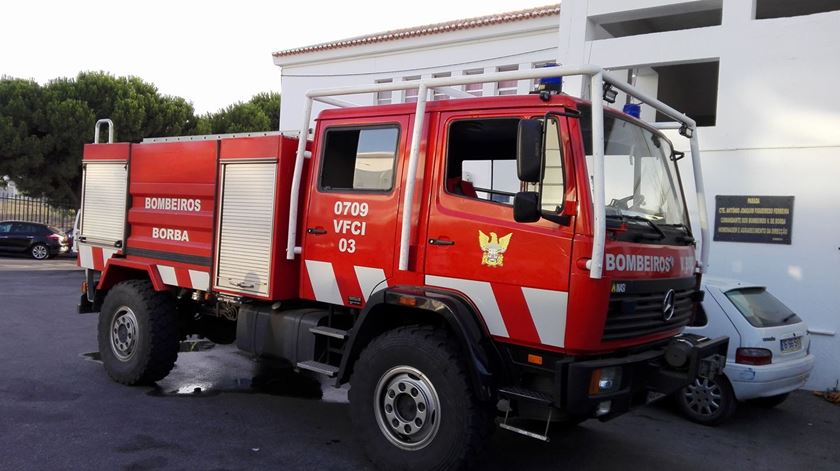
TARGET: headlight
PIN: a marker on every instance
(605, 380)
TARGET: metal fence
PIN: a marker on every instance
(24, 208)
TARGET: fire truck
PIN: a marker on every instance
(511, 261)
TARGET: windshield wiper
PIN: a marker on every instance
(625, 217)
(687, 238)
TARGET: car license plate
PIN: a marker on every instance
(793, 344)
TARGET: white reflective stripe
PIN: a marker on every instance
(106, 254)
(167, 275)
(85, 256)
(200, 280)
(370, 279)
(480, 293)
(548, 310)
(324, 284)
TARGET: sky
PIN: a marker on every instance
(212, 53)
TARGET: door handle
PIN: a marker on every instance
(441, 242)
(316, 230)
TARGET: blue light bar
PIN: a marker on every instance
(634, 110)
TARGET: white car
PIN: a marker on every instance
(769, 351)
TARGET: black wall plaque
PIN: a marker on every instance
(757, 219)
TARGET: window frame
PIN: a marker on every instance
(515, 88)
(378, 97)
(352, 127)
(446, 159)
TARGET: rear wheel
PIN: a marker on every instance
(770, 401)
(39, 252)
(707, 401)
(138, 333)
(412, 405)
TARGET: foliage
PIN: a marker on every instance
(260, 113)
(43, 128)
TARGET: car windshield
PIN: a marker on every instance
(761, 308)
(640, 179)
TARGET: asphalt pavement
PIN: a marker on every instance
(221, 410)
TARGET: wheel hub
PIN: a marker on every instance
(407, 408)
(703, 396)
(124, 333)
(39, 252)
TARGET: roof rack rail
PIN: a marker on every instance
(597, 76)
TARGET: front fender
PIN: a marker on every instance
(426, 305)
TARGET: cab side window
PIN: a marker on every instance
(481, 159)
(359, 159)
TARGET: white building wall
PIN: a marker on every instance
(777, 126)
(777, 132)
(522, 43)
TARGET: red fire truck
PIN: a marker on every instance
(460, 262)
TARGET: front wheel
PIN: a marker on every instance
(138, 333)
(707, 401)
(412, 405)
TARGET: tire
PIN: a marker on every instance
(39, 252)
(707, 401)
(770, 402)
(415, 376)
(138, 333)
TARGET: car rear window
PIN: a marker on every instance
(761, 308)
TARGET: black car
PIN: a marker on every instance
(38, 240)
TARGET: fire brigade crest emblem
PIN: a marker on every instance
(493, 248)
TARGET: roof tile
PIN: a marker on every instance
(425, 30)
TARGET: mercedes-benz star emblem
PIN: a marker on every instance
(668, 306)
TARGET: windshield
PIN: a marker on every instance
(761, 308)
(640, 179)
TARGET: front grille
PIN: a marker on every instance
(640, 314)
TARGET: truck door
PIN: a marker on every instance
(351, 215)
(516, 274)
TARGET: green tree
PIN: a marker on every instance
(43, 128)
(260, 113)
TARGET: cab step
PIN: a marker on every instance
(329, 332)
(523, 394)
(318, 367)
(518, 393)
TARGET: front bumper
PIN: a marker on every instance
(644, 376)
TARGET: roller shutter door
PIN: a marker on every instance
(246, 227)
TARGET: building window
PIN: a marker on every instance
(691, 89)
(507, 87)
(438, 94)
(476, 89)
(784, 8)
(383, 98)
(359, 158)
(411, 93)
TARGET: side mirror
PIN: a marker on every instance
(526, 206)
(529, 147)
